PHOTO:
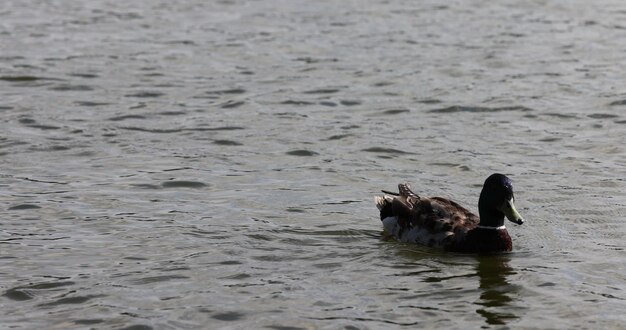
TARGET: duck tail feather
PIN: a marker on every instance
(390, 193)
(405, 190)
(383, 203)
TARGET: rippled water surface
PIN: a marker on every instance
(212, 164)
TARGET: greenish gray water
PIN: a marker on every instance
(212, 165)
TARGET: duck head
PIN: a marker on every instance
(496, 202)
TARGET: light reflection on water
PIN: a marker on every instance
(189, 165)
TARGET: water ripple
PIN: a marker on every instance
(457, 108)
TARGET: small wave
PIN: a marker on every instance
(71, 88)
(91, 104)
(178, 130)
(458, 108)
(183, 184)
(71, 300)
(602, 116)
(155, 279)
(302, 152)
(296, 102)
(385, 150)
(228, 316)
(24, 207)
(232, 104)
(618, 102)
(125, 117)
(24, 78)
(395, 111)
(145, 94)
(227, 91)
(27, 292)
(349, 103)
(322, 91)
(227, 143)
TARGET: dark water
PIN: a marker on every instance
(184, 165)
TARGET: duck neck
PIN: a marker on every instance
(490, 217)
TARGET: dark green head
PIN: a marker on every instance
(496, 202)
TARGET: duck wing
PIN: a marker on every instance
(453, 216)
(432, 221)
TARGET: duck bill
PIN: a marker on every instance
(511, 213)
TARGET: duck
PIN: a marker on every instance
(442, 223)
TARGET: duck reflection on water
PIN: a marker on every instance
(496, 292)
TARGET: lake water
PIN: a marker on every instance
(212, 164)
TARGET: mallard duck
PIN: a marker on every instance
(440, 222)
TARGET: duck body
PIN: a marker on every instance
(442, 223)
